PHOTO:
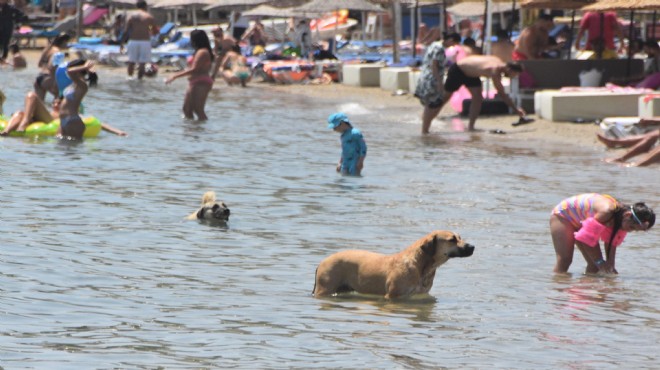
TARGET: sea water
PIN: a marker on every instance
(99, 269)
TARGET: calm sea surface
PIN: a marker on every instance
(99, 269)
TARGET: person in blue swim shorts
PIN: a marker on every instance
(353, 146)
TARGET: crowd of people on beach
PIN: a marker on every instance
(453, 60)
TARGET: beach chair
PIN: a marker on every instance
(165, 31)
(27, 37)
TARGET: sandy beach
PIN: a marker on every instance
(563, 133)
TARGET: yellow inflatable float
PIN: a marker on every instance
(92, 128)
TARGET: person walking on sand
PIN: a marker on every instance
(140, 26)
(585, 219)
(468, 71)
(199, 80)
(353, 146)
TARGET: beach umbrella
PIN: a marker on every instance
(234, 4)
(180, 3)
(555, 4)
(323, 6)
(270, 11)
(602, 5)
(121, 2)
(191, 5)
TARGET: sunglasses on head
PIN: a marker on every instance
(632, 211)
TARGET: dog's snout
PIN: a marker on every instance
(468, 249)
(227, 212)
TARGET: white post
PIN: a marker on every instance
(487, 36)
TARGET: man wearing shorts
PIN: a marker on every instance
(139, 28)
(468, 72)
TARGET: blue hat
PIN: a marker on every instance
(336, 119)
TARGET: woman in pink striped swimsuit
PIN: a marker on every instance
(585, 219)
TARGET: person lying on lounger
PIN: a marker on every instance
(638, 144)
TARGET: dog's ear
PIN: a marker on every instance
(430, 247)
(200, 213)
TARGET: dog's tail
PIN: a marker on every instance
(209, 197)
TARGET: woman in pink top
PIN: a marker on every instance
(585, 219)
(200, 81)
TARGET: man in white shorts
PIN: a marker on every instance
(139, 28)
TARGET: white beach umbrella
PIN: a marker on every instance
(270, 11)
(191, 5)
(323, 6)
(180, 3)
(232, 4)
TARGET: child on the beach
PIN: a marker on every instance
(585, 219)
(353, 146)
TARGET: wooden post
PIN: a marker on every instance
(79, 19)
(396, 10)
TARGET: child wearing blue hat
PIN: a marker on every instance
(353, 146)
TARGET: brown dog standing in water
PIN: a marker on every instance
(406, 273)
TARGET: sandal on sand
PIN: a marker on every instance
(522, 121)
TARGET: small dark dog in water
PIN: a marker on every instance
(211, 210)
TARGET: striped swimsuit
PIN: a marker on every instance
(578, 208)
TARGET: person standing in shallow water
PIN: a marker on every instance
(353, 146)
(71, 124)
(468, 72)
(430, 90)
(585, 219)
(200, 81)
(139, 29)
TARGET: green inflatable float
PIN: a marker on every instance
(92, 128)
